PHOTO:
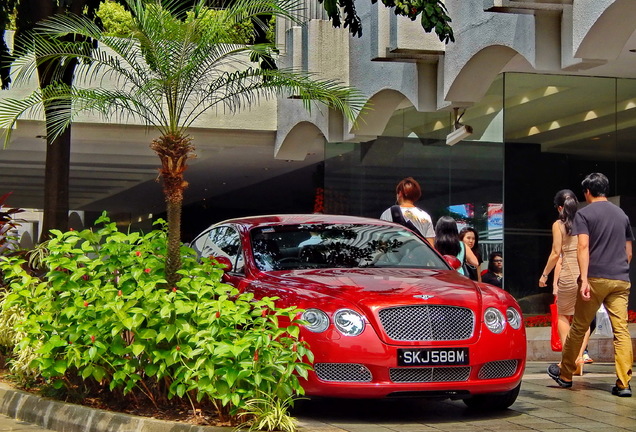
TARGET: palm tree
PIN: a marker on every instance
(175, 68)
(58, 149)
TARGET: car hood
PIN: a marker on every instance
(374, 288)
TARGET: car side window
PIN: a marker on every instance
(232, 247)
(223, 241)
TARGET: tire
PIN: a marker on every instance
(493, 402)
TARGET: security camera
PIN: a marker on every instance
(458, 134)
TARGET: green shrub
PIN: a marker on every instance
(103, 317)
(116, 20)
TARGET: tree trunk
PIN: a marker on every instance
(174, 152)
(173, 260)
(58, 151)
(58, 159)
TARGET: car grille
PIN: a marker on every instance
(439, 374)
(498, 369)
(427, 323)
(342, 372)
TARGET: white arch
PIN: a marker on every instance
(606, 38)
(299, 141)
(382, 106)
(476, 76)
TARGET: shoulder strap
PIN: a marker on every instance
(398, 217)
(396, 214)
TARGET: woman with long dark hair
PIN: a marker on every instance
(447, 242)
(471, 239)
(565, 287)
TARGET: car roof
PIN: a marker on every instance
(298, 219)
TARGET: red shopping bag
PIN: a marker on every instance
(555, 340)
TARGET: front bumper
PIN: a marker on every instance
(365, 367)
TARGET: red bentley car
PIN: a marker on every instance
(386, 315)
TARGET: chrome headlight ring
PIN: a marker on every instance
(349, 322)
(514, 318)
(317, 320)
(494, 320)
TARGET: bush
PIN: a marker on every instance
(117, 21)
(104, 319)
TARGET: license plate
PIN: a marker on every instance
(432, 356)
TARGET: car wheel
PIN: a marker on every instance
(493, 402)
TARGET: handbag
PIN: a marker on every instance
(555, 339)
(603, 324)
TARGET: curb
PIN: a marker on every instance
(63, 417)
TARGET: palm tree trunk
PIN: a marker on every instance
(58, 151)
(58, 156)
(173, 259)
(174, 152)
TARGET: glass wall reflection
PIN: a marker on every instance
(464, 180)
(556, 130)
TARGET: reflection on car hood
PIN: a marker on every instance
(377, 287)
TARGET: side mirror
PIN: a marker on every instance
(223, 262)
(453, 261)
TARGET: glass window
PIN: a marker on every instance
(222, 241)
(340, 246)
(464, 180)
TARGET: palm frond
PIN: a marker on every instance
(240, 89)
(11, 110)
(174, 69)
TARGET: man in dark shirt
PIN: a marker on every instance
(494, 275)
(604, 251)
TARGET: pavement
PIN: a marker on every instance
(541, 406)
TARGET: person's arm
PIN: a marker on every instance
(557, 273)
(554, 254)
(583, 257)
(471, 258)
(628, 249)
(431, 241)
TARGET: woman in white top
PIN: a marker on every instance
(407, 192)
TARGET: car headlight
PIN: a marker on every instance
(349, 322)
(494, 320)
(514, 318)
(317, 320)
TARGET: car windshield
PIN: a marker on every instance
(340, 246)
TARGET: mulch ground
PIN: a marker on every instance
(171, 411)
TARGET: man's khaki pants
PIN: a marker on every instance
(614, 294)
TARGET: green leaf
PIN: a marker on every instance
(147, 334)
(137, 349)
(168, 331)
(181, 389)
(87, 371)
(60, 367)
(99, 373)
(151, 369)
(230, 376)
(92, 353)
